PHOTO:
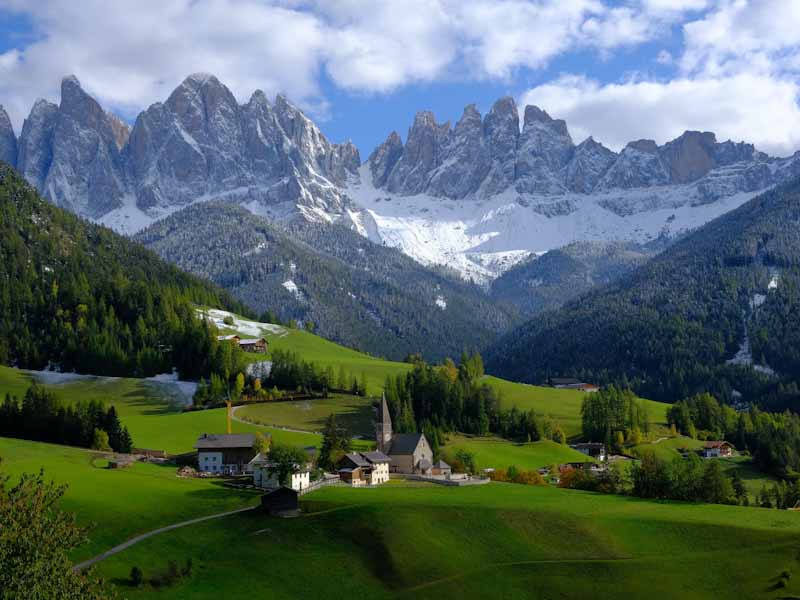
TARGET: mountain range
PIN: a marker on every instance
(719, 311)
(353, 291)
(478, 196)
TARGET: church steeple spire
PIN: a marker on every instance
(383, 427)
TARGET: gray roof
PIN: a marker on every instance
(357, 459)
(425, 464)
(376, 456)
(442, 465)
(405, 443)
(211, 441)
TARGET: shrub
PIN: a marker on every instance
(137, 577)
(228, 320)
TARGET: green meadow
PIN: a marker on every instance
(117, 504)
(500, 454)
(355, 412)
(498, 541)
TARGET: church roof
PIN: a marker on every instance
(405, 443)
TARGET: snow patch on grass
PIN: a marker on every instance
(240, 325)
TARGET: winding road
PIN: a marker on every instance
(135, 540)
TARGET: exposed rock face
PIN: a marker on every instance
(8, 141)
(639, 165)
(590, 161)
(464, 159)
(198, 144)
(86, 172)
(421, 155)
(384, 157)
(544, 148)
(543, 160)
(501, 130)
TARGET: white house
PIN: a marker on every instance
(364, 468)
(225, 453)
(263, 478)
(717, 449)
(593, 449)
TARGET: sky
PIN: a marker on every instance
(618, 70)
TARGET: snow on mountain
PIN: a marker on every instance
(469, 235)
(477, 197)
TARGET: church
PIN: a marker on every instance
(410, 453)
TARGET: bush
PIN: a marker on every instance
(228, 320)
(137, 577)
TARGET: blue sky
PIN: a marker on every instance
(615, 69)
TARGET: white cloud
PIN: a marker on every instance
(664, 58)
(132, 54)
(750, 107)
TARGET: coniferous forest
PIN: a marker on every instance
(79, 297)
(671, 328)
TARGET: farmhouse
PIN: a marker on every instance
(566, 383)
(593, 449)
(717, 449)
(364, 468)
(409, 452)
(257, 345)
(225, 453)
(263, 477)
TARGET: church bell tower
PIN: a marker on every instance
(383, 427)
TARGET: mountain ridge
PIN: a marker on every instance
(476, 196)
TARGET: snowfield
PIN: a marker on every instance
(482, 238)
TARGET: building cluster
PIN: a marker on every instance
(256, 345)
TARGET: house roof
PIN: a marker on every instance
(442, 465)
(356, 459)
(227, 338)
(405, 443)
(425, 464)
(249, 341)
(590, 445)
(376, 456)
(717, 444)
(211, 441)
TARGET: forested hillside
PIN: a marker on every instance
(697, 317)
(353, 291)
(77, 296)
(550, 281)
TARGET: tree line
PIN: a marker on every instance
(42, 417)
(614, 416)
(450, 397)
(772, 438)
(79, 297)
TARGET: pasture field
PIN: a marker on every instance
(498, 453)
(116, 504)
(155, 420)
(356, 412)
(498, 540)
(563, 406)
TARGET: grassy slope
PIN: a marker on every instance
(752, 477)
(118, 504)
(493, 541)
(154, 421)
(563, 405)
(500, 454)
(354, 411)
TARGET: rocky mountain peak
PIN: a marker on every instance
(421, 154)
(8, 140)
(384, 157)
(646, 146)
(690, 156)
(534, 115)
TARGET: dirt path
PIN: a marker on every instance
(246, 422)
(135, 540)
